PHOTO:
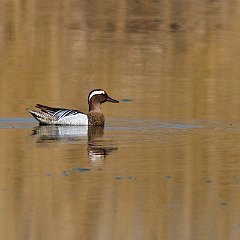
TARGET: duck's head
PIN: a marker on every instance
(97, 97)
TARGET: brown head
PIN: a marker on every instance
(96, 98)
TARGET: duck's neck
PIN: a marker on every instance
(94, 106)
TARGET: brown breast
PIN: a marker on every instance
(96, 118)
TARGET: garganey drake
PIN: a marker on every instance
(62, 116)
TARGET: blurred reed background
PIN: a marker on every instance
(163, 55)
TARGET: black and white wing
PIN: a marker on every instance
(58, 113)
(59, 116)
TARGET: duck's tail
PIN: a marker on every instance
(42, 117)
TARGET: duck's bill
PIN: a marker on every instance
(111, 100)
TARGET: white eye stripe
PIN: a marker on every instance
(95, 93)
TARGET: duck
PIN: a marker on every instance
(62, 116)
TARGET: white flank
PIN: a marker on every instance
(80, 119)
(95, 93)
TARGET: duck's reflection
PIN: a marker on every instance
(97, 151)
(60, 133)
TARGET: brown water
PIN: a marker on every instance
(167, 163)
